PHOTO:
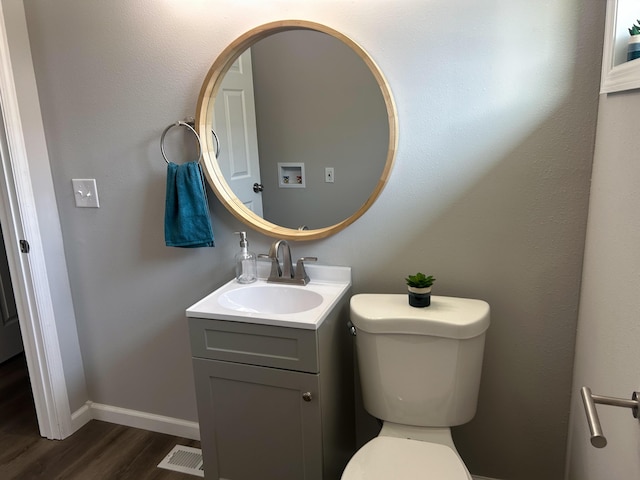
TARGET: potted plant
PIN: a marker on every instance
(633, 49)
(419, 286)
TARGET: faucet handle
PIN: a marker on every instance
(301, 273)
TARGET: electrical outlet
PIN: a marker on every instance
(85, 192)
(328, 175)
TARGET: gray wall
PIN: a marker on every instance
(317, 103)
(497, 107)
(47, 213)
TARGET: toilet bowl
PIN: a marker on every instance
(405, 452)
(420, 374)
(389, 458)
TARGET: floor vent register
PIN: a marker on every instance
(185, 460)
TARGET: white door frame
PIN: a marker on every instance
(28, 270)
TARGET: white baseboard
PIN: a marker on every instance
(146, 421)
(135, 419)
(80, 417)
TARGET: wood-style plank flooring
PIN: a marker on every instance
(98, 451)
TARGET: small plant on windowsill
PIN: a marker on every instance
(633, 49)
(419, 286)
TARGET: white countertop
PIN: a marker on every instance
(331, 282)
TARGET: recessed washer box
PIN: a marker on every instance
(291, 175)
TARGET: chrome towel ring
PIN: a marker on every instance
(180, 123)
(189, 125)
(215, 137)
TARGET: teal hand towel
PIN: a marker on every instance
(187, 222)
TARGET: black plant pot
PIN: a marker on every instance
(419, 299)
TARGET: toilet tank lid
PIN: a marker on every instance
(448, 317)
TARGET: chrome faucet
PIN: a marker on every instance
(287, 265)
(286, 273)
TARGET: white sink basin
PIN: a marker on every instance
(270, 298)
(276, 303)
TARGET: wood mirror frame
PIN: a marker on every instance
(204, 123)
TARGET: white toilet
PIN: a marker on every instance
(420, 374)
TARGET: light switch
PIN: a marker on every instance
(85, 192)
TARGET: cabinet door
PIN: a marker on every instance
(255, 423)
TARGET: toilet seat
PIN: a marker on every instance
(385, 458)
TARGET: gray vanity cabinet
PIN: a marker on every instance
(274, 403)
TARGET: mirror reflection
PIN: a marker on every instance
(306, 128)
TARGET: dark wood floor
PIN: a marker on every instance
(98, 451)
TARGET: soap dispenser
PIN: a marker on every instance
(246, 266)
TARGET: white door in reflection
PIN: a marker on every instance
(235, 124)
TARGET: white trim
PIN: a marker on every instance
(28, 271)
(624, 76)
(81, 417)
(136, 419)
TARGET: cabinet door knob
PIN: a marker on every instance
(306, 396)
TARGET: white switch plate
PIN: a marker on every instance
(328, 175)
(85, 192)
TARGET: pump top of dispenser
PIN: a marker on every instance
(243, 239)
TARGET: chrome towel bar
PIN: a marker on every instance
(589, 400)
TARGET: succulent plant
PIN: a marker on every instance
(420, 280)
(635, 29)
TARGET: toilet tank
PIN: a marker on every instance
(420, 366)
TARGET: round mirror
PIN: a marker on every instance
(298, 129)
